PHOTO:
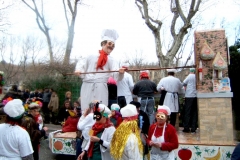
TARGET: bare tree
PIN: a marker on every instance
(10, 64)
(40, 19)
(180, 23)
(136, 60)
(70, 25)
(31, 48)
(70, 6)
(237, 2)
(4, 23)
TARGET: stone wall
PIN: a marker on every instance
(215, 121)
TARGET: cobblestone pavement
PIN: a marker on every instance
(45, 153)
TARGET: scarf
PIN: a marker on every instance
(102, 60)
(98, 128)
(117, 114)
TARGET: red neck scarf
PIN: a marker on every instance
(98, 128)
(102, 60)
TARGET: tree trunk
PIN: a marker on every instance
(68, 51)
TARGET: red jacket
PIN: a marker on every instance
(70, 124)
(170, 136)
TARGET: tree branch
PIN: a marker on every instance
(70, 7)
(173, 24)
(144, 12)
(180, 12)
(65, 13)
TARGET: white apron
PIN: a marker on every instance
(157, 153)
(171, 100)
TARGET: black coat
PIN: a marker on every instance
(112, 91)
(236, 153)
(14, 94)
(63, 114)
(146, 123)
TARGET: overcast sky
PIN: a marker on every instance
(122, 15)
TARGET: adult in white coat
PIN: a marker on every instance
(94, 85)
(190, 108)
(124, 88)
(101, 135)
(126, 143)
(173, 87)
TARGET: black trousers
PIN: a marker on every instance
(163, 94)
(173, 118)
(121, 101)
(190, 114)
(46, 112)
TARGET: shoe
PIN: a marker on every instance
(186, 130)
(193, 131)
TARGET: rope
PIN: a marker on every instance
(192, 66)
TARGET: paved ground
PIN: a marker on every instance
(45, 152)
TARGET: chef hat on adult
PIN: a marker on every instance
(102, 108)
(164, 109)
(129, 112)
(115, 107)
(192, 69)
(125, 65)
(172, 70)
(14, 108)
(109, 35)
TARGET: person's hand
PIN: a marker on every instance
(94, 139)
(39, 121)
(80, 157)
(122, 70)
(86, 112)
(110, 115)
(62, 123)
(151, 143)
(77, 73)
(158, 145)
(45, 128)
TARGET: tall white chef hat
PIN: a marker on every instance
(109, 35)
(192, 69)
(125, 65)
(172, 70)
